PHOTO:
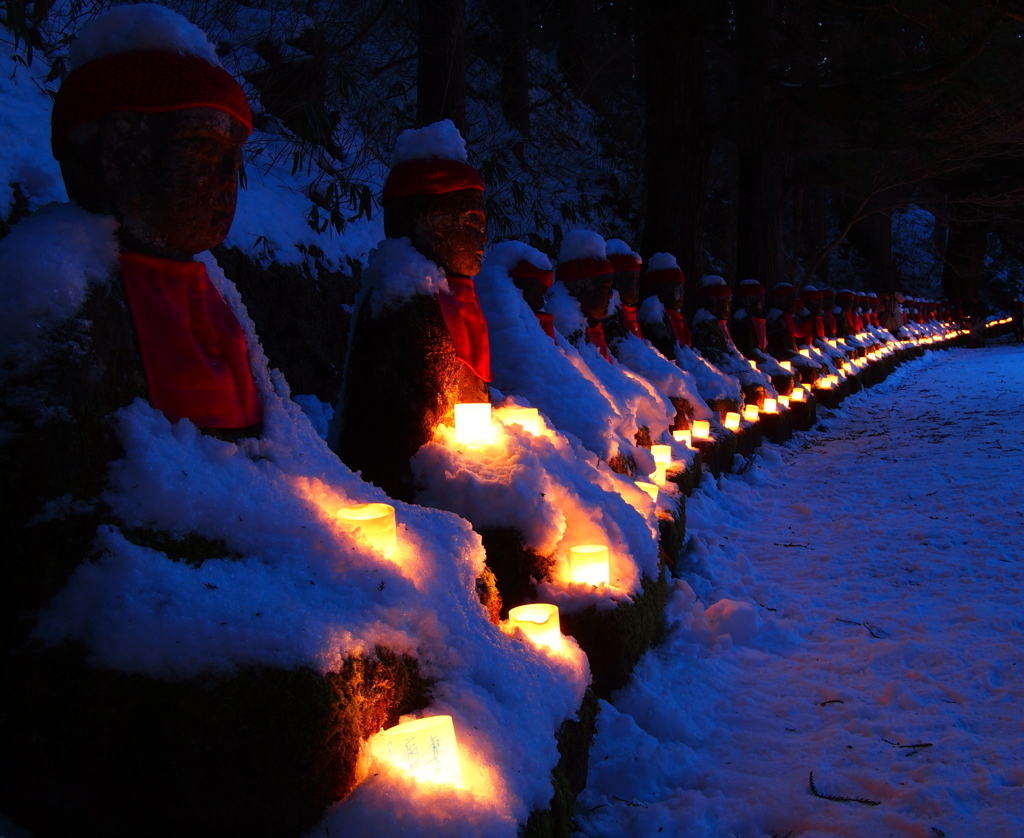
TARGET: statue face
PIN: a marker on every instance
(814, 306)
(453, 231)
(754, 305)
(170, 179)
(627, 283)
(594, 294)
(671, 295)
(533, 289)
(718, 306)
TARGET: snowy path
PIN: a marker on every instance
(872, 576)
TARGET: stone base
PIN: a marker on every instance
(672, 535)
(513, 565)
(748, 440)
(260, 753)
(777, 427)
(829, 398)
(614, 640)
(688, 479)
(805, 414)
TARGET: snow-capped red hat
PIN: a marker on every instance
(430, 161)
(622, 256)
(583, 255)
(810, 293)
(662, 268)
(828, 293)
(142, 58)
(749, 288)
(784, 289)
(845, 296)
(714, 286)
(524, 268)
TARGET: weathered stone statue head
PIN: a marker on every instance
(533, 282)
(812, 299)
(626, 275)
(665, 280)
(585, 270)
(439, 204)
(782, 297)
(716, 297)
(153, 138)
(750, 297)
(846, 299)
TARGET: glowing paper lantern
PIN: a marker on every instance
(750, 412)
(375, 522)
(425, 748)
(806, 353)
(770, 406)
(786, 365)
(732, 421)
(659, 475)
(528, 418)
(798, 395)
(783, 401)
(588, 564)
(473, 424)
(650, 488)
(685, 437)
(701, 429)
(539, 622)
(662, 454)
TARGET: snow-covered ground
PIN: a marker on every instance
(853, 609)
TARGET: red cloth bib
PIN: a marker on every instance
(192, 346)
(724, 326)
(679, 327)
(830, 320)
(819, 327)
(629, 315)
(547, 323)
(761, 332)
(467, 325)
(595, 334)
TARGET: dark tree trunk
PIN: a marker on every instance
(441, 69)
(872, 236)
(512, 21)
(813, 237)
(677, 142)
(761, 148)
(965, 257)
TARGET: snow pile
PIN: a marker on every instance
(397, 271)
(712, 383)
(662, 262)
(863, 627)
(506, 255)
(554, 494)
(617, 247)
(143, 27)
(643, 359)
(441, 140)
(49, 261)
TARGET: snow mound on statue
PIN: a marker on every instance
(397, 271)
(662, 262)
(441, 139)
(582, 244)
(144, 27)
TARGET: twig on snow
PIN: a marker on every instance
(864, 801)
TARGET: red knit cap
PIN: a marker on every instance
(672, 276)
(717, 290)
(624, 261)
(524, 269)
(749, 288)
(576, 269)
(146, 82)
(845, 296)
(809, 294)
(430, 177)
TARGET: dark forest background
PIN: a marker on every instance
(851, 143)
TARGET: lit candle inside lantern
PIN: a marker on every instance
(539, 622)
(798, 394)
(732, 421)
(750, 412)
(650, 488)
(528, 418)
(588, 564)
(375, 522)
(662, 454)
(659, 475)
(806, 353)
(771, 406)
(784, 401)
(786, 365)
(473, 424)
(701, 429)
(425, 748)
(685, 437)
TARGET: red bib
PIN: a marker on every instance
(761, 332)
(192, 346)
(595, 334)
(679, 327)
(547, 323)
(467, 325)
(629, 315)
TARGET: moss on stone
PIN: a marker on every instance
(615, 639)
(672, 535)
(261, 752)
(513, 565)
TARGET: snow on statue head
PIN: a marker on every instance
(715, 296)
(433, 196)
(149, 128)
(586, 272)
(750, 296)
(626, 263)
